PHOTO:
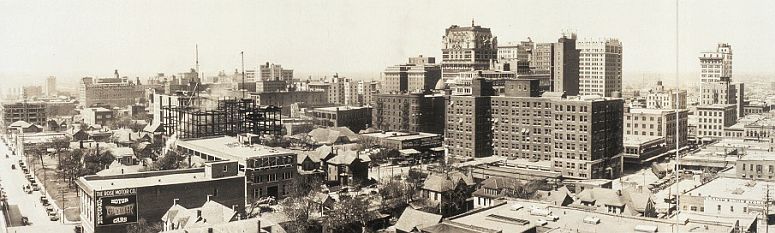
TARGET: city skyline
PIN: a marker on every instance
(363, 38)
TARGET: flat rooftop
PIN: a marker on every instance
(506, 220)
(339, 108)
(759, 156)
(229, 148)
(652, 111)
(145, 179)
(733, 188)
(635, 140)
(399, 135)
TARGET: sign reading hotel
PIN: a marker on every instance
(116, 206)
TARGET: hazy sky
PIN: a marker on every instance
(70, 39)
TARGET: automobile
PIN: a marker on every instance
(35, 187)
(43, 199)
(50, 209)
(26, 221)
(53, 216)
(541, 222)
(78, 229)
(552, 218)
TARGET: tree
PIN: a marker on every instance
(349, 212)
(95, 161)
(169, 161)
(71, 165)
(143, 226)
(298, 209)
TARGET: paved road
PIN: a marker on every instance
(29, 204)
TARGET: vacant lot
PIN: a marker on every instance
(65, 196)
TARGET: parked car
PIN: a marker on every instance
(35, 187)
(53, 216)
(26, 221)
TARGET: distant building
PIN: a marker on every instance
(31, 112)
(560, 61)
(110, 203)
(354, 118)
(600, 67)
(268, 171)
(110, 91)
(756, 108)
(419, 75)
(270, 86)
(284, 99)
(32, 91)
(414, 112)
(275, 72)
(716, 86)
(756, 165)
(339, 90)
(660, 98)
(51, 86)
(467, 49)
(714, 118)
(97, 116)
(657, 122)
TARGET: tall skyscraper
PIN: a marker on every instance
(467, 49)
(560, 62)
(716, 64)
(51, 86)
(600, 67)
(565, 66)
(716, 86)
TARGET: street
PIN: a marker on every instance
(30, 206)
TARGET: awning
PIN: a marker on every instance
(438, 149)
(408, 152)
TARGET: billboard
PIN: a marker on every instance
(116, 206)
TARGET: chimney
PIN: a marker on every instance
(81, 142)
(208, 197)
(175, 201)
(199, 213)
(619, 192)
(210, 230)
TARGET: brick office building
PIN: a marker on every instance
(267, 170)
(110, 203)
(415, 112)
(582, 136)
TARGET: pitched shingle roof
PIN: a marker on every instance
(411, 219)
(445, 182)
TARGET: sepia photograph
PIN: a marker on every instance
(365, 116)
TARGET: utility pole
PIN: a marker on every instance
(767, 209)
